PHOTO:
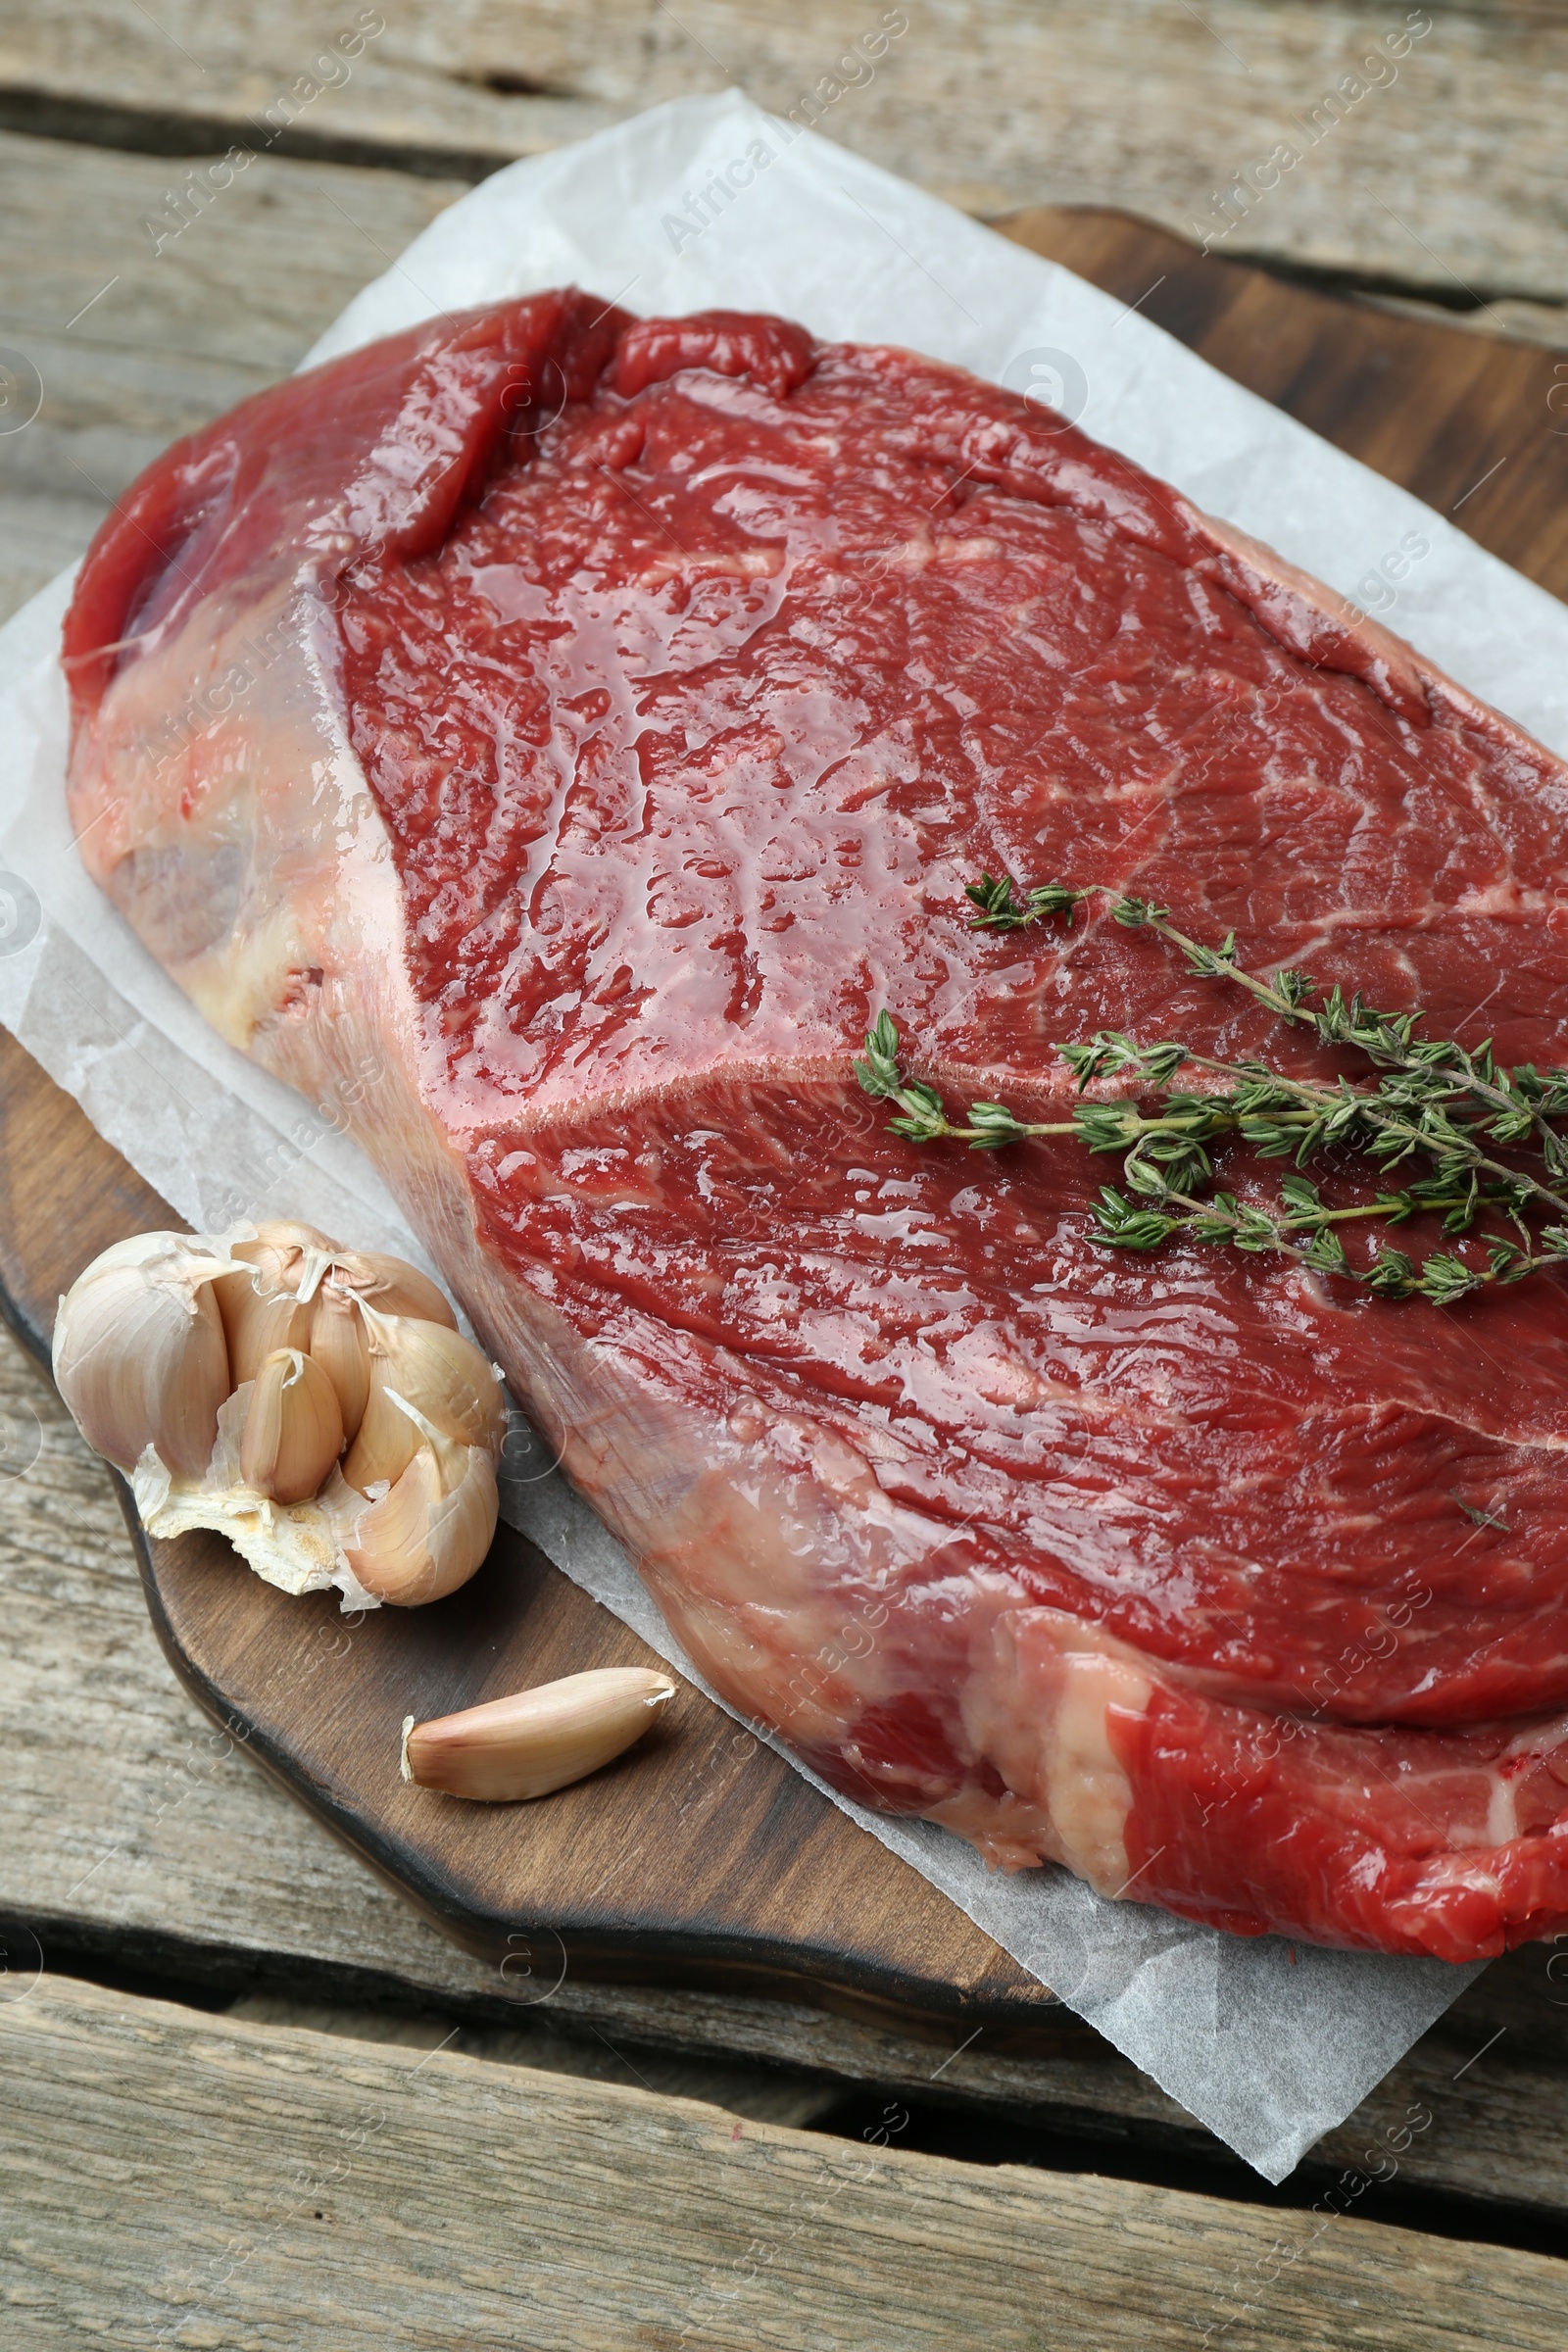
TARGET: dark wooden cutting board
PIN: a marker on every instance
(701, 1857)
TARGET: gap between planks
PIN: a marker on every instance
(173, 1855)
(188, 2180)
(1438, 182)
(195, 329)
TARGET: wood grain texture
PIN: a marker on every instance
(1447, 178)
(123, 348)
(1477, 429)
(702, 1856)
(173, 2178)
(188, 1857)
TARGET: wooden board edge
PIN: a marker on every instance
(754, 1966)
(870, 1990)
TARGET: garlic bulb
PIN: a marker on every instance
(140, 1354)
(229, 1376)
(537, 1740)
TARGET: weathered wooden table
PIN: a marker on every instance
(250, 2098)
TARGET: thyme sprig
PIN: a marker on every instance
(1435, 1099)
(1411, 1110)
(1391, 1274)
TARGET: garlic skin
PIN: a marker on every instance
(258, 1324)
(537, 1740)
(392, 1287)
(296, 1547)
(387, 1440)
(293, 1428)
(433, 1365)
(139, 1353)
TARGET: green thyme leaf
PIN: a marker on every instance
(1445, 1107)
(1444, 1279)
(923, 1118)
(1145, 1178)
(1127, 1228)
(1326, 1253)
(1108, 1126)
(1001, 908)
(878, 1073)
(1393, 1276)
(992, 1124)
(1134, 914)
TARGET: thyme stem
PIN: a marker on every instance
(1413, 1136)
(1523, 1101)
(1437, 1099)
(1431, 1074)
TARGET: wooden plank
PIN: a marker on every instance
(1474, 426)
(172, 1854)
(1443, 176)
(127, 348)
(182, 2179)
(703, 1858)
(765, 2094)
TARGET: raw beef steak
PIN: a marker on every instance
(593, 723)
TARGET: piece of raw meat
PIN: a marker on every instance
(592, 724)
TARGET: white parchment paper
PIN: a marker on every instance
(1269, 2044)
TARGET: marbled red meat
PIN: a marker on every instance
(592, 724)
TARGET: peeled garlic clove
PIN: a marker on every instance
(386, 1440)
(431, 1533)
(293, 1428)
(338, 1346)
(539, 1740)
(139, 1353)
(392, 1286)
(443, 1374)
